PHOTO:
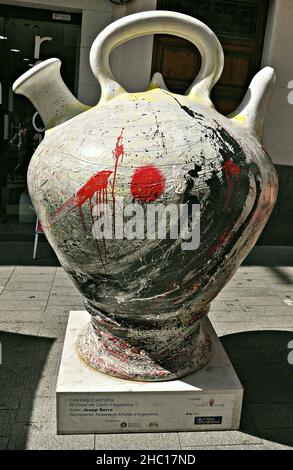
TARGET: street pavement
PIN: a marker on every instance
(253, 315)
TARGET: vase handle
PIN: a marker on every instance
(159, 22)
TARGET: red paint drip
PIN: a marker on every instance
(82, 218)
(231, 170)
(96, 184)
(118, 153)
(147, 184)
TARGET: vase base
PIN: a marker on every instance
(120, 359)
(89, 402)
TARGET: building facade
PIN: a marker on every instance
(254, 33)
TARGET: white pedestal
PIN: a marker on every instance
(91, 402)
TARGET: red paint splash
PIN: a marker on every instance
(147, 184)
(231, 171)
(96, 184)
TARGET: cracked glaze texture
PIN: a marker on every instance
(197, 156)
(203, 158)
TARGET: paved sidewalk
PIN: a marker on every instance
(253, 315)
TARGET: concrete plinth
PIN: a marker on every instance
(91, 402)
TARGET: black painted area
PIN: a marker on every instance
(279, 229)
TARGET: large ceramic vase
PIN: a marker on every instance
(147, 296)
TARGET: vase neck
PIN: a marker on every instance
(44, 87)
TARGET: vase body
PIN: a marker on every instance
(147, 296)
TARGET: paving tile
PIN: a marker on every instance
(63, 282)
(233, 316)
(261, 393)
(8, 259)
(45, 388)
(251, 320)
(57, 333)
(60, 310)
(228, 447)
(277, 439)
(7, 418)
(29, 329)
(256, 340)
(28, 305)
(68, 300)
(44, 261)
(12, 379)
(8, 326)
(259, 356)
(282, 287)
(276, 321)
(64, 291)
(7, 269)
(264, 373)
(15, 355)
(269, 310)
(61, 273)
(267, 273)
(247, 425)
(10, 399)
(248, 283)
(271, 416)
(51, 369)
(21, 296)
(40, 410)
(193, 439)
(235, 293)
(261, 301)
(137, 441)
(226, 305)
(3, 443)
(5, 273)
(20, 245)
(35, 278)
(39, 270)
(55, 322)
(275, 446)
(25, 315)
(42, 436)
(255, 299)
(229, 327)
(27, 286)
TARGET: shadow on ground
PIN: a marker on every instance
(270, 256)
(260, 359)
(22, 362)
(21, 254)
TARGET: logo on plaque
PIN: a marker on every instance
(208, 420)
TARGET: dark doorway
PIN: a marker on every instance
(27, 36)
(240, 26)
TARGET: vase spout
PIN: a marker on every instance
(252, 111)
(45, 88)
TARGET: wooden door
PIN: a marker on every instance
(240, 26)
